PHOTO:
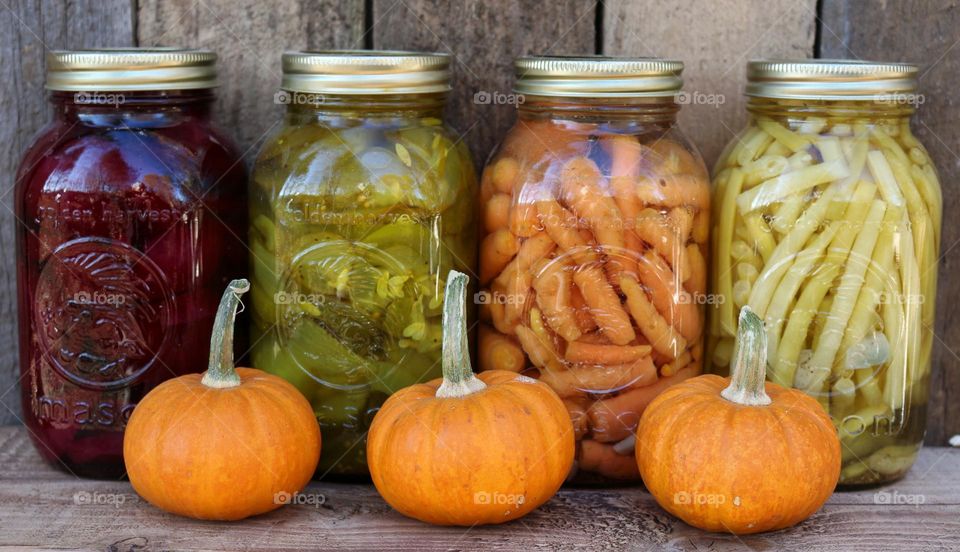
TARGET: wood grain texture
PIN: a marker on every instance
(484, 38)
(249, 36)
(715, 40)
(922, 32)
(42, 507)
(28, 28)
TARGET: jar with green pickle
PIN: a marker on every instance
(362, 201)
(827, 224)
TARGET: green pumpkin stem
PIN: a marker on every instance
(749, 372)
(458, 377)
(220, 372)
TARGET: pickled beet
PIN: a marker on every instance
(132, 221)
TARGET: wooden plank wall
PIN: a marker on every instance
(714, 37)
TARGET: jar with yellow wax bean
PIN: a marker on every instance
(827, 224)
(362, 201)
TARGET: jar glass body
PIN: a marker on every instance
(593, 263)
(827, 223)
(359, 209)
(131, 220)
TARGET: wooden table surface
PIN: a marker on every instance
(41, 507)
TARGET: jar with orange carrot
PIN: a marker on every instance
(595, 218)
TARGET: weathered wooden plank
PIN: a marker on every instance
(28, 29)
(923, 32)
(249, 36)
(42, 507)
(715, 40)
(484, 38)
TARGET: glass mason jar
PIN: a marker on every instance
(592, 264)
(361, 202)
(827, 223)
(131, 216)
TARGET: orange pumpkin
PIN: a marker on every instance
(737, 454)
(225, 444)
(468, 450)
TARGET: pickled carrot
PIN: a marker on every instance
(561, 225)
(696, 283)
(661, 335)
(505, 175)
(496, 251)
(670, 157)
(554, 284)
(580, 188)
(600, 379)
(523, 220)
(674, 191)
(671, 300)
(496, 213)
(604, 305)
(540, 352)
(589, 353)
(581, 311)
(515, 280)
(666, 236)
(616, 418)
(496, 351)
(578, 415)
(603, 459)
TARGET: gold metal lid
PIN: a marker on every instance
(131, 69)
(366, 72)
(829, 79)
(597, 76)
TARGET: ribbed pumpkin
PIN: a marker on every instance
(737, 454)
(468, 450)
(225, 444)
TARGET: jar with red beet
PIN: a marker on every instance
(131, 219)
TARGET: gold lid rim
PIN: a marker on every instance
(130, 69)
(366, 72)
(829, 79)
(597, 76)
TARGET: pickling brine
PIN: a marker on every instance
(360, 205)
(827, 224)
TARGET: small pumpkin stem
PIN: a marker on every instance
(458, 377)
(749, 362)
(220, 370)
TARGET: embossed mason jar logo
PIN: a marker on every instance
(103, 311)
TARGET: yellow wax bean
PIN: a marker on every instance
(775, 316)
(782, 256)
(790, 139)
(789, 183)
(849, 287)
(795, 332)
(726, 220)
(761, 235)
